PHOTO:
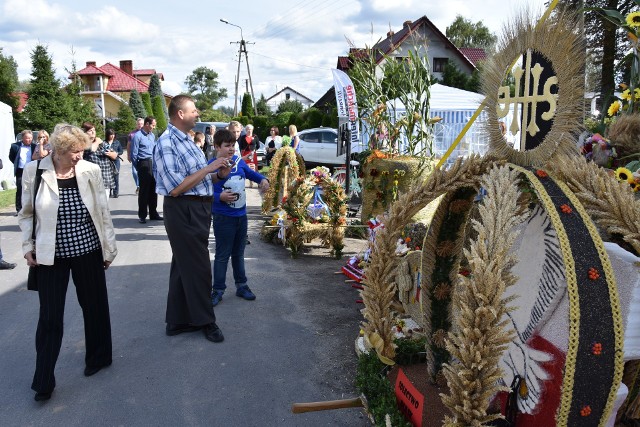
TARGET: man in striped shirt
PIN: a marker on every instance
(186, 182)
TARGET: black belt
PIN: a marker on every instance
(144, 160)
(207, 199)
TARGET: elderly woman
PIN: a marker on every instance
(43, 148)
(73, 235)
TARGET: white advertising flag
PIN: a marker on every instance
(347, 104)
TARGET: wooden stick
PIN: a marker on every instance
(298, 408)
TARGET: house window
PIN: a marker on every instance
(288, 96)
(439, 64)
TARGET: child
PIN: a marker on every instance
(230, 218)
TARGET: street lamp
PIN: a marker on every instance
(229, 23)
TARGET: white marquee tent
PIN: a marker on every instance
(7, 137)
(455, 107)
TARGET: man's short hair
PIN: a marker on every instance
(234, 124)
(149, 120)
(178, 103)
(223, 136)
(25, 132)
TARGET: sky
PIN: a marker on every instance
(291, 43)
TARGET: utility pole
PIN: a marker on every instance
(242, 49)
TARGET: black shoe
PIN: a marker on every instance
(39, 397)
(91, 370)
(212, 332)
(4, 265)
(115, 196)
(178, 329)
(142, 220)
(156, 218)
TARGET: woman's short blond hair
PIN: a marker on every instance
(293, 128)
(67, 138)
(43, 132)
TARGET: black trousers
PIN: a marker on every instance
(147, 197)
(91, 289)
(19, 189)
(188, 222)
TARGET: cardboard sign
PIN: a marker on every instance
(410, 400)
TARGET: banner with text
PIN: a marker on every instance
(347, 104)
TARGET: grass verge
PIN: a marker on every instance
(7, 198)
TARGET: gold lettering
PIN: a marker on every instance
(529, 98)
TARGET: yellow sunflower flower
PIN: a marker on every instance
(623, 174)
(633, 19)
(626, 95)
(635, 186)
(614, 108)
(637, 93)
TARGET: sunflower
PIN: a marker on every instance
(614, 108)
(626, 95)
(637, 93)
(633, 19)
(634, 186)
(623, 174)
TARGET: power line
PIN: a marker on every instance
(290, 62)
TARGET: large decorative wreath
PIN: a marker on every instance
(301, 224)
(286, 166)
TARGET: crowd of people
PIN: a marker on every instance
(65, 181)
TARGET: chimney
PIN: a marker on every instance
(91, 63)
(390, 33)
(406, 24)
(127, 66)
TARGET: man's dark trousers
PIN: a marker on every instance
(147, 197)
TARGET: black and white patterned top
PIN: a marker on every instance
(106, 165)
(75, 233)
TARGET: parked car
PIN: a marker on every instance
(318, 146)
(202, 126)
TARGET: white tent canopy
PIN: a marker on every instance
(7, 137)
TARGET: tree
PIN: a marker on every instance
(46, 105)
(158, 113)
(203, 84)
(146, 101)
(80, 109)
(605, 42)
(247, 105)
(262, 106)
(464, 33)
(216, 115)
(290, 105)
(125, 121)
(136, 105)
(155, 89)
(226, 110)
(8, 81)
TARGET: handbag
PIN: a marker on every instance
(32, 278)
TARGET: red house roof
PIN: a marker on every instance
(474, 54)
(92, 70)
(148, 72)
(121, 81)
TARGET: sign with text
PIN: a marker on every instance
(347, 104)
(410, 400)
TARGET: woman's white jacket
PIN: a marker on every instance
(47, 201)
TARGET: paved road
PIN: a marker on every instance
(294, 343)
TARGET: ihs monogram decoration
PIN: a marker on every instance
(547, 103)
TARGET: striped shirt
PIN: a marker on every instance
(175, 157)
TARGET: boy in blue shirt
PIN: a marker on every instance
(230, 218)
